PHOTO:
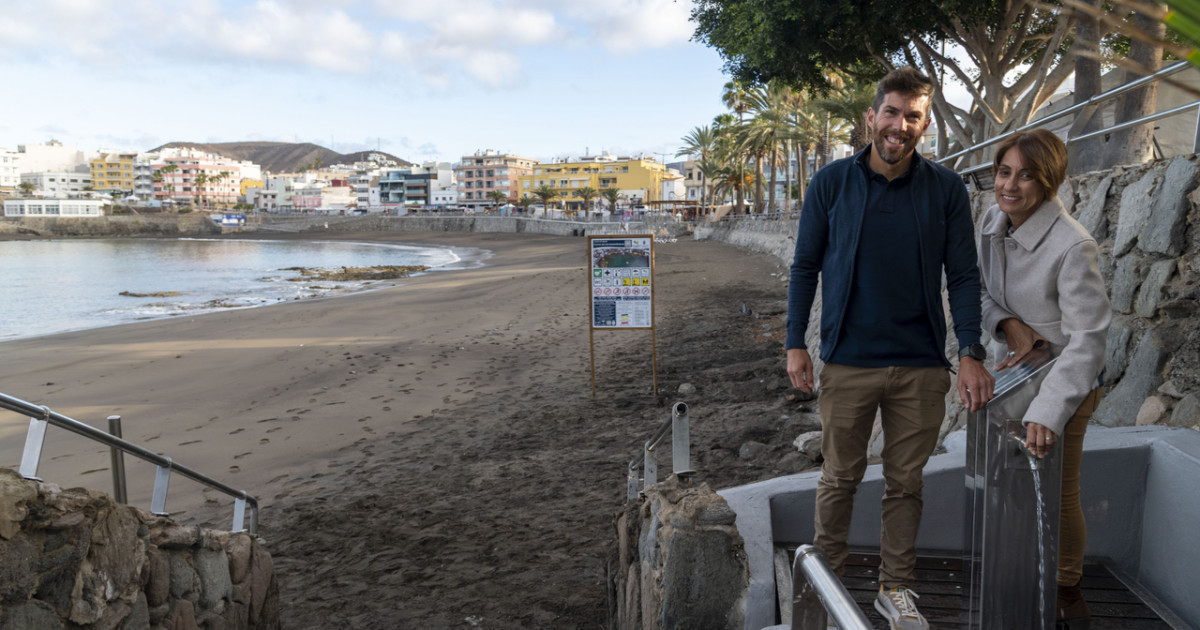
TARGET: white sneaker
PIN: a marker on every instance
(897, 606)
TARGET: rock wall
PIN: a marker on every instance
(76, 559)
(164, 225)
(1147, 221)
(679, 562)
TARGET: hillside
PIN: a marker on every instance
(281, 157)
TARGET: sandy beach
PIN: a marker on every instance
(430, 455)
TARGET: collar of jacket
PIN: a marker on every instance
(1034, 230)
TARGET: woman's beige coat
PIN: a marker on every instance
(1047, 274)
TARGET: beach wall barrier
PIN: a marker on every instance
(76, 558)
(1146, 219)
(163, 225)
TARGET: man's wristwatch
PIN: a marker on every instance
(975, 351)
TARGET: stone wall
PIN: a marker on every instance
(679, 562)
(160, 225)
(76, 559)
(1147, 221)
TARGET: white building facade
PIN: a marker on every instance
(54, 208)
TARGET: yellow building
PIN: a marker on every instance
(638, 178)
(250, 183)
(113, 173)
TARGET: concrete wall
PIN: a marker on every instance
(76, 559)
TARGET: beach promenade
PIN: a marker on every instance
(430, 456)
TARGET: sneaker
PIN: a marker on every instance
(897, 606)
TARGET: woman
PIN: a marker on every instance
(1042, 286)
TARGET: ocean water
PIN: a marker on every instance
(48, 287)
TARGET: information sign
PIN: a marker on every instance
(621, 282)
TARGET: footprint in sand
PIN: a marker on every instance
(191, 442)
(264, 441)
(241, 455)
(235, 469)
(236, 431)
(274, 429)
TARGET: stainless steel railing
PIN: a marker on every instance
(818, 595)
(41, 417)
(1085, 111)
(681, 463)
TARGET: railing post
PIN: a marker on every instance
(631, 482)
(118, 461)
(650, 465)
(681, 458)
(162, 478)
(32, 455)
(239, 514)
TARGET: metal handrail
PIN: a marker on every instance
(41, 416)
(821, 595)
(679, 426)
(1090, 104)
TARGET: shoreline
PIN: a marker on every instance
(464, 257)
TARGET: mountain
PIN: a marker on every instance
(282, 157)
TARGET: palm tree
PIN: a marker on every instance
(587, 194)
(163, 172)
(26, 188)
(546, 194)
(729, 155)
(701, 145)
(767, 134)
(498, 196)
(612, 195)
(199, 183)
(524, 202)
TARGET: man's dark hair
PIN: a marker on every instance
(908, 81)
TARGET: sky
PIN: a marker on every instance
(420, 79)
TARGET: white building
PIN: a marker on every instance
(53, 156)
(444, 197)
(10, 169)
(58, 183)
(54, 208)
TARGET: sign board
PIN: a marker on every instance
(621, 282)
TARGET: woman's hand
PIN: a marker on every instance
(1039, 439)
(1021, 341)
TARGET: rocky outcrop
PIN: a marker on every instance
(679, 562)
(77, 559)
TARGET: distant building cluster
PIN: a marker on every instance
(485, 181)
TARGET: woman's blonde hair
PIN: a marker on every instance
(1044, 154)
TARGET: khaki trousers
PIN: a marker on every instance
(911, 402)
(1072, 530)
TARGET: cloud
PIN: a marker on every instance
(628, 26)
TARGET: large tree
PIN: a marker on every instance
(1010, 59)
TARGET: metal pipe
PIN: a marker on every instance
(1091, 102)
(818, 595)
(681, 439)
(118, 461)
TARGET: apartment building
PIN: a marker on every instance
(58, 183)
(10, 170)
(412, 187)
(488, 171)
(114, 173)
(639, 178)
(54, 208)
(177, 178)
(53, 157)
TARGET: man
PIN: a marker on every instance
(880, 228)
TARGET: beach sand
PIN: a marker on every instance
(431, 455)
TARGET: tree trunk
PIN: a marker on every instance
(758, 184)
(1086, 156)
(774, 179)
(1136, 145)
(787, 177)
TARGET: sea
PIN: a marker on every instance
(55, 286)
